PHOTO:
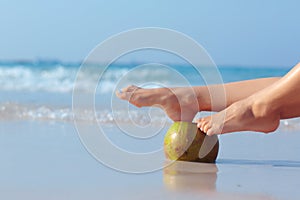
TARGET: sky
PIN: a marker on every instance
(234, 32)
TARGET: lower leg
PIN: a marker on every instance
(234, 92)
(284, 96)
(260, 111)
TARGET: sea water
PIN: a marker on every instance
(43, 90)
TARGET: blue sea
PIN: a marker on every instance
(43, 90)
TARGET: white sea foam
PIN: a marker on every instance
(53, 79)
(20, 78)
(16, 111)
(59, 78)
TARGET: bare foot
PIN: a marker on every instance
(244, 115)
(180, 104)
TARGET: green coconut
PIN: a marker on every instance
(185, 142)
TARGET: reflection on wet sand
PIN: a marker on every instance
(191, 177)
(199, 180)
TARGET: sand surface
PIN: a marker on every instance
(46, 160)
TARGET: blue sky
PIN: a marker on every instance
(256, 32)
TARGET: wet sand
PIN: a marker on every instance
(46, 160)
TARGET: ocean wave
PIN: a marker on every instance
(61, 79)
(16, 111)
(22, 78)
(56, 78)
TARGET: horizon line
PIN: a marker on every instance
(78, 63)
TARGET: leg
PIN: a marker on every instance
(182, 104)
(261, 111)
(234, 92)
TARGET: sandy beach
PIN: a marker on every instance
(67, 130)
(46, 160)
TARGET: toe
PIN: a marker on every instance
(206, 127)
(123, 95)
(120, 94)
(210, 132)
(127, 92)
(202, 126)
(199, 122)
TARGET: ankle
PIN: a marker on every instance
(203, 98)
(168, 97)
(262, 108)
(266, 113)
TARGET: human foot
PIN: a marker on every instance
(180, 104)
(244, 115)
